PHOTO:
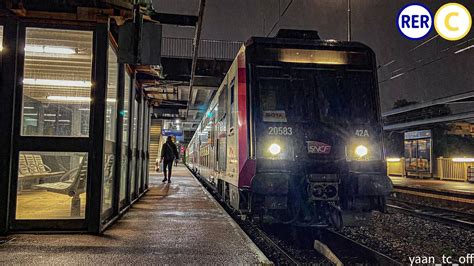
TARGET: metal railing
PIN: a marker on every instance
(208, 49)
(449, 170)
(445, 169)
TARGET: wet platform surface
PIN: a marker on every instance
(463, 188)
(177, 223)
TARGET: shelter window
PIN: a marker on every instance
(51, 185)
(57, 83)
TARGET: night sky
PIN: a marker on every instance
(428, 72)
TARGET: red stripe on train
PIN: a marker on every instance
(246, 166)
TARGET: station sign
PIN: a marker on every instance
(171, 132)
(420, 134)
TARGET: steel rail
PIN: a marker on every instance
(351, 252)
(437, 214)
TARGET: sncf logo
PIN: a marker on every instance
(452, 21)
(316, 147)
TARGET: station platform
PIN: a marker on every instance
(435, 185)
(177, 223)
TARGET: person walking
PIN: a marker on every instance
(169, 153)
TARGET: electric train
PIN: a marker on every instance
(293, 135)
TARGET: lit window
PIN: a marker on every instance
(57, 82)
(51, 185)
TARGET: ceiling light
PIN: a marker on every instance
(51, 120)
(177, 121)
(59, 83)
(49, 49)
(69, 98)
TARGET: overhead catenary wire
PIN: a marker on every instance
(280, 16)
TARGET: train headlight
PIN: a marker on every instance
(274, 149)
(361, 151)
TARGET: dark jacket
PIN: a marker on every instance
(169, 152)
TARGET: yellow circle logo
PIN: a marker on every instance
(453, 21)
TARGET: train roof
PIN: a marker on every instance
(301, 38)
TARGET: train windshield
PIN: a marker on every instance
(305, 95)
(346, 95)
(281, 100)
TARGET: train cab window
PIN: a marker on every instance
(284, 95)
(346, 95)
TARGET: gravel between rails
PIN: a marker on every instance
(401, 236)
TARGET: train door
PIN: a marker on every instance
(418, 153)
(232, 129)
(222, 133)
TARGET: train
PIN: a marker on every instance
(293, 134)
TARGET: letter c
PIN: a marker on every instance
(446, 21)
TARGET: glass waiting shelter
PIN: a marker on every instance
(74, 126)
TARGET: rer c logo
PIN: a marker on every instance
(414, 21)
(453, 21)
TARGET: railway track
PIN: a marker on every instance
(282, 251)
(449, 217)
(350, 252)
(274, 251)
(283, 256)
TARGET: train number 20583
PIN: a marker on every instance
(284, 131)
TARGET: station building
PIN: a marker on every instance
(74, 121)
(81, 125)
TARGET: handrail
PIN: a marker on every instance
(208, 49)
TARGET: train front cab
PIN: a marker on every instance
(315, 132)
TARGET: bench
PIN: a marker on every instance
(31, 166)
(72, 183)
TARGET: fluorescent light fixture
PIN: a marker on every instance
(463, 160)
(59, 83)
(52, 120)
(84, 109)
(177, 121)
(69, 98)
(49, 49)
(28, 108)
(76, 99)
(464, 49)
(392, 160)
(30, 114)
